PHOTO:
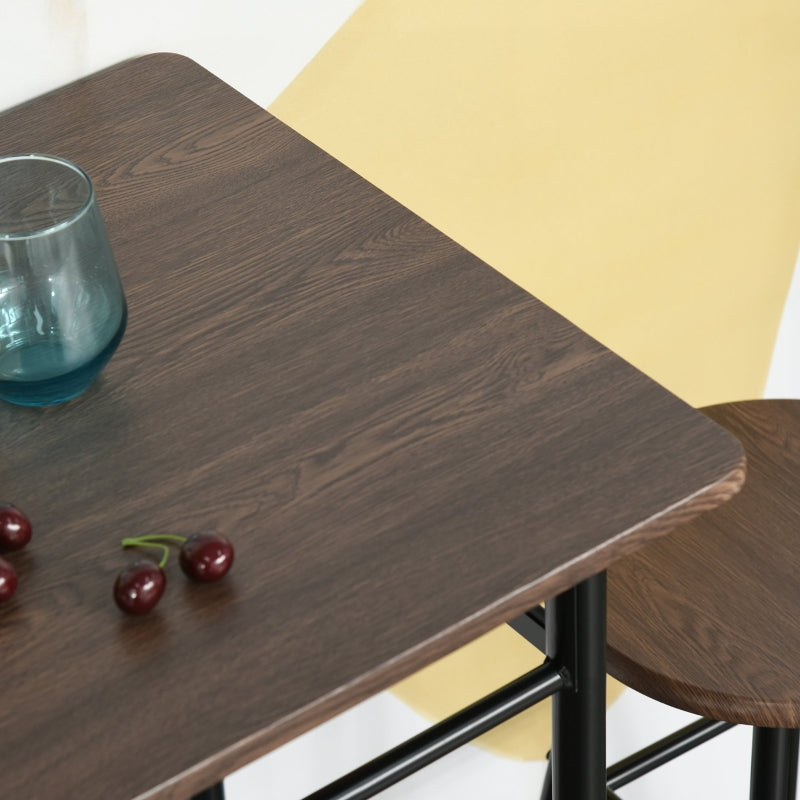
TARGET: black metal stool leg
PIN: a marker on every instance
(773, 771)
(576, 640)
(215, 792)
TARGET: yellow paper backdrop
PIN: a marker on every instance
(634, 164)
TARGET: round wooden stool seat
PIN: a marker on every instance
(707, 618)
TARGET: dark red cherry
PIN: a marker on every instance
(206, 556)
(15, 527)
(139, 587)
(8, 580)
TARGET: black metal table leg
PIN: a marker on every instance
(773, 771)
(215, 792)
(794, 755)
(576, 640)
(547, 783)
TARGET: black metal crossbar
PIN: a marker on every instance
(664, 750)
(442, 738)
(573, 673)
(530, 626)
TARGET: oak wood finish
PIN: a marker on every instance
(405, 447)
(708, 618)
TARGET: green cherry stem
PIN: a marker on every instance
(138, 543)
(156, 541)
(157, 537)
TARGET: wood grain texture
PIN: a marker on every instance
(708, 618)
(406, 449)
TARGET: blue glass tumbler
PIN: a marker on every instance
(62, 307)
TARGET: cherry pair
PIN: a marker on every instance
(15, 533)
(204, 557)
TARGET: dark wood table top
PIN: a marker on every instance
(405, 447)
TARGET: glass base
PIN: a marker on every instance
(52, 391)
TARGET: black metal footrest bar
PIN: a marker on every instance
(664, 750)
(442, 738)
(652, 756)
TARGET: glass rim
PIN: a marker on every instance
(13, 237)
